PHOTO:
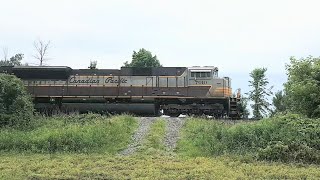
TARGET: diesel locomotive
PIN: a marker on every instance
(144, 91)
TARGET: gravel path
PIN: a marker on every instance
(172, 132)
(140, 134)
(173, 126)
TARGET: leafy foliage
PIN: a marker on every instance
(16, 107)
(79, 134)
(279, 103)
(243, 107)
(289, 138)
(259, 92)
(303, 86)
(143, 58)
(14, 61)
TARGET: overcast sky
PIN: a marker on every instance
(236, 36)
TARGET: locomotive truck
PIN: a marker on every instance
(144, 91)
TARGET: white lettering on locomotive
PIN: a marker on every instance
(114, 80)
(87, 81)
(91, 80)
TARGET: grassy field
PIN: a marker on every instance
(207, 150)
(95, 166)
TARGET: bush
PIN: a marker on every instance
(289, 138)
(81, 134)
(289, 152)
(16, 107)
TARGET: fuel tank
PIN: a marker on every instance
(113, 108)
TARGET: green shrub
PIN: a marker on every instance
(81, 134)
(16, 108)
(290, 152)
(289, 138)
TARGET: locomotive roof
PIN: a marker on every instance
(64, 72)
(40, 67)
(131, 71)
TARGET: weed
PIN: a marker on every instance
(80, 134)
(289, 138)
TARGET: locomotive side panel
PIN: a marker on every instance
(184, 90)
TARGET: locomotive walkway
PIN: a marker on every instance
(173, 126)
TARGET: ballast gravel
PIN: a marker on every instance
(172, 132)
(139, 136)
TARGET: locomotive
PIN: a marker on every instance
(144, 91)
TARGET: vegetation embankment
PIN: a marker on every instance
(150, 162)
(78, 133)
(289, 138)
(16, 107)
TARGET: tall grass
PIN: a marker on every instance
(289, 138)
(78, 133)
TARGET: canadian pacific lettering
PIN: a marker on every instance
(90, 80)
(115, 80)
(84, 81)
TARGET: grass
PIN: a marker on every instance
(81, 134)
(87, 146)
(97, 166)
(154, 140)
(289, 138)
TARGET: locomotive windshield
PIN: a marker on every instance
(201, 74)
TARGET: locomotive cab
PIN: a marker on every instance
(208, 76)
(202, 75)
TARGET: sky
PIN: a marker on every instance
(235, 36)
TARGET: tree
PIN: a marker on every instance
(41, 48)
(243, 108)
(143, 58)
(13, 61)
(278, 101)
(16, 107)
(259, 93)
(303, 86)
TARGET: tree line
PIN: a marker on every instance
(300, 93)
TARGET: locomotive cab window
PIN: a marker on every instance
(200, 74)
